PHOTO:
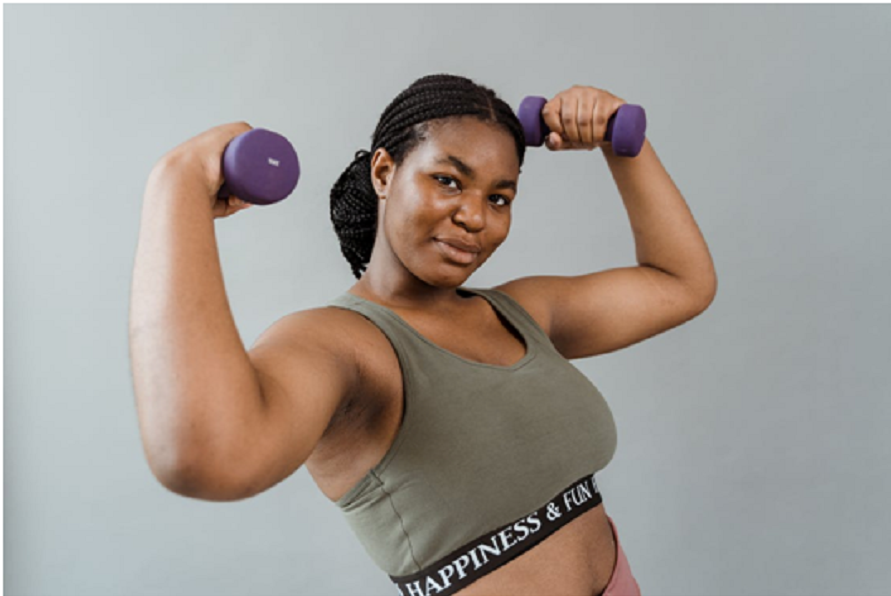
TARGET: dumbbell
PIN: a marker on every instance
(625, 129)
(260, 167)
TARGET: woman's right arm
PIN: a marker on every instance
(217, 423)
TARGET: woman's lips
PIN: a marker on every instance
(456, 254)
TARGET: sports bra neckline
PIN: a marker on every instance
(530, 345)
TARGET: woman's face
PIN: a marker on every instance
(454, 188)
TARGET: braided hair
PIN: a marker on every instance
(402, 127)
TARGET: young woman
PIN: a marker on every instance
(446, 422)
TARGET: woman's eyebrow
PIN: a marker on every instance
(468, 171)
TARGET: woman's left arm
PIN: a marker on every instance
(666, 236)
(674, 280)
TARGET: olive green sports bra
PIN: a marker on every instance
(489, 460)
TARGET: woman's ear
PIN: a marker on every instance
(382, 169)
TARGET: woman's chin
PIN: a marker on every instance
(447, 275)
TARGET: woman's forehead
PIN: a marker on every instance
(468, 146)
(460, 126)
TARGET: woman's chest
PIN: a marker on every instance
(532, 406)
(577, 559)
(478, 335)
(365, 427)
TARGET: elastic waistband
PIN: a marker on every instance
(468, 563)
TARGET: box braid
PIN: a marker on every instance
(403, 125)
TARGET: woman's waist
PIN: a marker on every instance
(577, 559)
(567, 530)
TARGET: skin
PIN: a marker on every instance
(421, 200)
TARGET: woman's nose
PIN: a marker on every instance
(471, 212)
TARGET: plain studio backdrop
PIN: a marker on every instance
(753, 452)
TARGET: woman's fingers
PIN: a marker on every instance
(551, 113)
(578, 117)
(585, 118)
(570, 119)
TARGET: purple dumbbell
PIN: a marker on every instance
(625, 129)
(260, 167)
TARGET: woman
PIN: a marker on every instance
(446, 422)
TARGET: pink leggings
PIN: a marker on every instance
(622, 583)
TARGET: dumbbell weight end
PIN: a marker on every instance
(259, 167)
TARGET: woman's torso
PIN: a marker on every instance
(577, 560)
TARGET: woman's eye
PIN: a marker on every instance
(447, 180)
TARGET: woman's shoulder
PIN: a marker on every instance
(530, 294)
(344, 335)
(324, 327)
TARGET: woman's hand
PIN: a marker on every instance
(577, 118)
(201, 157)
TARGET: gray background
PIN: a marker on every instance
(753, 446)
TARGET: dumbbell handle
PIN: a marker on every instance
(626, 129)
